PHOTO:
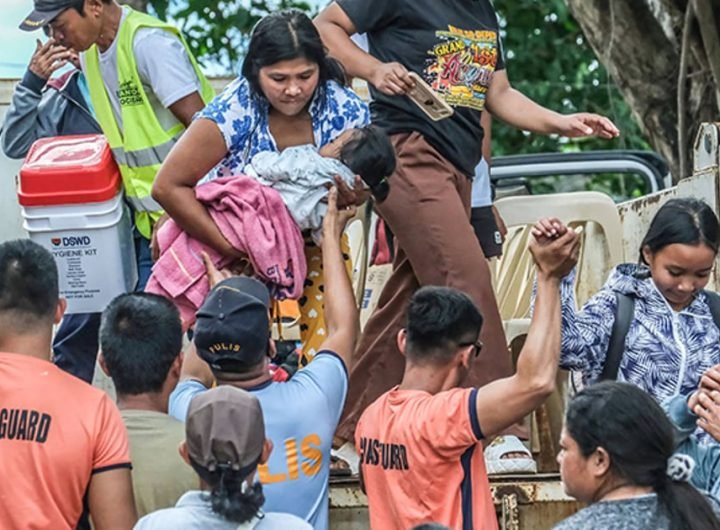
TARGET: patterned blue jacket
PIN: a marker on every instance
(706, 475)
(666, 351)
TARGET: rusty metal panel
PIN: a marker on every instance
(522, 502)
(637, 214)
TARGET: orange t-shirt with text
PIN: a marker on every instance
(422, 461)
(56, 431)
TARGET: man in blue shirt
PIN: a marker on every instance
(233, 347)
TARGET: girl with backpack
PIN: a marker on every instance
(652, 324)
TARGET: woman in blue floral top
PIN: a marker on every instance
(290, 93)
(672, 339)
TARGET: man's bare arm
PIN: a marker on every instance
(341, 313)
(111, 501)
(506, 401)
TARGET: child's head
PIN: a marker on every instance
(368, 153)
(680, 248)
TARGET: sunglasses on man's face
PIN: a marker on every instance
(477, 346)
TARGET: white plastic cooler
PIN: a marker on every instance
(70, 193)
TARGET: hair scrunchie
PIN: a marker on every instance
(680, 467)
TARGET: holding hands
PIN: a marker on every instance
(705, 402)
(555, 248)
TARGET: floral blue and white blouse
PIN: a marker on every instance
(242, 118)
(666, 351)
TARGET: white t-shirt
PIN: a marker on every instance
(194, 512)
(301, 416)
(165, 70)
(481, 193)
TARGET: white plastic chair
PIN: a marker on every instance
(595, 216)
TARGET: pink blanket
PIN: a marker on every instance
(255, 220)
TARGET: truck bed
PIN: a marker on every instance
(527, 502)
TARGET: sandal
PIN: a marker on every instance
(344, 462)
(339, 467)
(507, 454)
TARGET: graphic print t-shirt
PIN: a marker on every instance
(454, 45)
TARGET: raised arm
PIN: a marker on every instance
(341, 312)
(506, 401)
(585, 333)
(199, 150)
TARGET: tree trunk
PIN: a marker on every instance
(639, 43)
(139, 5)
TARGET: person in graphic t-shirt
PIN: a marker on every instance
(62, 442)
(455, 47)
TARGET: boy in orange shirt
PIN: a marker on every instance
(421, 456)
(60, 438)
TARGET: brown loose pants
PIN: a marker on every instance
(428, 210)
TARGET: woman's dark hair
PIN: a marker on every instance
(685, 221)
(639, 438)
(229, 497)
(370, 154)
(283, 36)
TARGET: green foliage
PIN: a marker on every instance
(217, 30)
(548, 60)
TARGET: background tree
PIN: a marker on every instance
(664, 56)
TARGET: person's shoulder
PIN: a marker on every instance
(581, 520)
(626, 514)
(237, 95)
(337, 91)
(326, 360)
(166, 518)
(150, 421)
(81, 391)
(146, 37)
(277, 520)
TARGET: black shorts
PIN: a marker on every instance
(486, 230)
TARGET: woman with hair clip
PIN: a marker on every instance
(616, 453)
(290, 93)
(225, 442)
(652, 324)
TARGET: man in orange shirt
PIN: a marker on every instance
(421, 456)
(60, 439)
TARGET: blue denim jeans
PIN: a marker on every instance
(76, 342)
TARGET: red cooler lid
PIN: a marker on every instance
(68, 170)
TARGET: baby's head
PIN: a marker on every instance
(368, 153)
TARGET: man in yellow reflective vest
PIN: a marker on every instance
(144, 88)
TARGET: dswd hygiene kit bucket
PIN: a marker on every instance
(70, 193)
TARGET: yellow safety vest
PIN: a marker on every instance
(141, 147)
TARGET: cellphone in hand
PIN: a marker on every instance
(428, 100)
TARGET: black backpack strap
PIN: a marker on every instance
(713, 302)
(624, 314)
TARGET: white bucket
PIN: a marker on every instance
(93, 246)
